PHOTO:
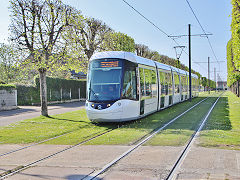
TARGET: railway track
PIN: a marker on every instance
(23, 167)
(140, 142)
(37, 143)
(180, 159)
(182, 156)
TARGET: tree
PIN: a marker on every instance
(117, 41)
(235, 28)
(204, 82)
(142, 50)
(84, 37)
(7, 63)
(36, 27)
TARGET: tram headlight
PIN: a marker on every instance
(108, 105)
(92, 105)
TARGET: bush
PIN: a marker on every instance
(56, 87)
(27, 95)
(7, 87)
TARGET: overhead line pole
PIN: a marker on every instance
(208, 75)
(190, 66)
(189, 55)
(215, 79)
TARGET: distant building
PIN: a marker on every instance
(222, 85)
(80, 75)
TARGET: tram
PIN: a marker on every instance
(122, 86)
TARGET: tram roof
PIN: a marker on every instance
(195, 76)
(163, 66)
(182, 72)
(123, 55)
(136, 59)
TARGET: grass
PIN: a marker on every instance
(79, 128)
(40, 128)
(223, 127)
(131, 132)
(178, 133)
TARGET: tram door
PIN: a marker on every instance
(142, 90)
(148, 90)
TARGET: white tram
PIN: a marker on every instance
(122, 86)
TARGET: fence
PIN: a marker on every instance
(8, 99)
(65, 95)
(58, 90)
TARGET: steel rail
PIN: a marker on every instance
(21, 168)
(37, 143)
(174, 170)
(110, 164)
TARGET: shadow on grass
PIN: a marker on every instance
(155, 120)
(106, 125)
(219, 118)
(69, 120)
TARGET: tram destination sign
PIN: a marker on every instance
(107, 64)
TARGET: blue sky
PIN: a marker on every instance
(172, 16)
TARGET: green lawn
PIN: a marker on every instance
(181, 130)
(131, 132)
(40, 128)
(223, 127)
(79, 128)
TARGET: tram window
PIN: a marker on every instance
(148, 82)
(186, 83)
(154, 84)
(169, 83)
(162, 82)
(142, 79)
(198, 84)
(129, 84)
(183, 83)
(104, 83)
(193, 84)
(176, 82)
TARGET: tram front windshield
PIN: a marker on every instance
(104, 80)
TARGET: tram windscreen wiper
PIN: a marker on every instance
(94, 94)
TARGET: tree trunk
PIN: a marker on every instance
(43, 91)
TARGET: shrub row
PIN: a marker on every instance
(57, 90)
(7, 87)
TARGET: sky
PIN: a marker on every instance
(171, 16)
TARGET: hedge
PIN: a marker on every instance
(7, 87)
(57, 90)
(27, 95)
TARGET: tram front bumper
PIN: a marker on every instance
(105, 115)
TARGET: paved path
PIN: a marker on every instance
(27, 112)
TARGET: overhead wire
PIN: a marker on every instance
(157, 27)
(203, 30)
